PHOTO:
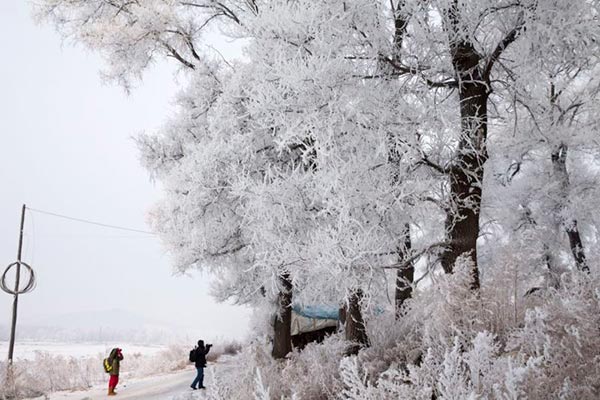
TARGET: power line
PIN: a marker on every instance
(85, 221)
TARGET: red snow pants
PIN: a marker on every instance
(113, 381)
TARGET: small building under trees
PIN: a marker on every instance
(313, 323)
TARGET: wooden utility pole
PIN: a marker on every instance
(13, 328)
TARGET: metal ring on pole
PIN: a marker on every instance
(30, 284)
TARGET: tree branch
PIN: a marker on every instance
(188, 40)
(225, 252)
(215, 5)
(379, 76)
(451, 83)
(173, 53)
(504, 43)
(426, 161)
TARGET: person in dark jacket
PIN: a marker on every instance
(200, 361)
(114, 359)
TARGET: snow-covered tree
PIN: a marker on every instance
(359, 141)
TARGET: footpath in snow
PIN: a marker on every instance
(174, 386)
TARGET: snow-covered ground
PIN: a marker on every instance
(175, 386)
(27, 350)
(141, 377)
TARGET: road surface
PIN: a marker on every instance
(174, 386)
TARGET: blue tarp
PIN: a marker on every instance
(318, 311)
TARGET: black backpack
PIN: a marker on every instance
(193, 355)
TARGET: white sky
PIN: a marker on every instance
(66, 147)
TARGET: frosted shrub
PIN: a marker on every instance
(227, 348)
(562, 335)
(310, 374)
(551, 350)
(453, 383)
(392, 384)
(243, 369)
(392, 341)
(313, 373)
(17, 387)
(463, 372)
(48, 373)
(261, 392)
(450, 308)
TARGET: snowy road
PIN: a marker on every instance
(163, 387)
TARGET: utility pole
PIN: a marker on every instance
(13, 328)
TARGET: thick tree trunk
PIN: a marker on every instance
(404, 276)
(356, 331)
(472, 73)
(466, 174)
(559, 164)
(282, 338)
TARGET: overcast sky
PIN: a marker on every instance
(66, 147)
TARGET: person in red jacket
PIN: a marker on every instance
(115, 358)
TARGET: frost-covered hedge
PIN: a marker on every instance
(452, 343)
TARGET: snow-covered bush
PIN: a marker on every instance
(313, 372)
(244, 370)
(563, 334)
(449, 344)
(553, 350)
(15, 385)
(221, 348)
(48, 373)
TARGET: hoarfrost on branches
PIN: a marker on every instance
(448, 147)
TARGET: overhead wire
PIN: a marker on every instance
(93, 236)
(86, 221)
(31, 282)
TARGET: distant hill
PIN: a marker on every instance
(98, 318)
(97, 326)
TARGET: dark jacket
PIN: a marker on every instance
(114, 359)
(201, 353)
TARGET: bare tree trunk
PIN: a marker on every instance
(466, 174)
(356, 331)
(405, 276)
(472, 72)
(282, 337)
(559, 164)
